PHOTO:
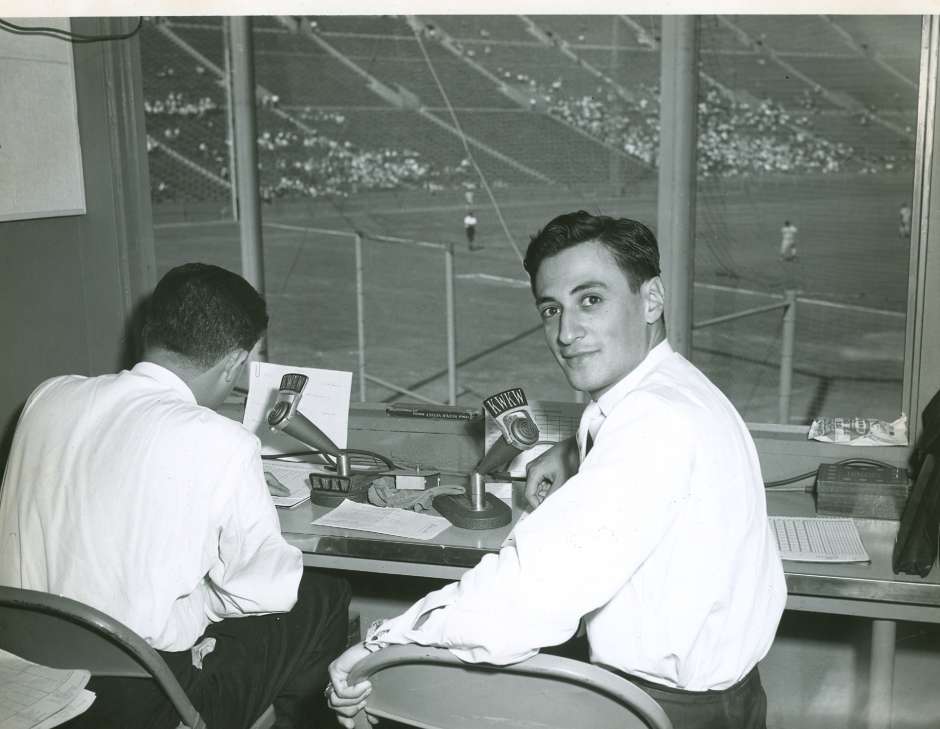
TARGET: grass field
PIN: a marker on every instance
(851, 270)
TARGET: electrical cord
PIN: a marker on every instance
(871, 463)
(371, 457)
(330, 460)
(65, 35)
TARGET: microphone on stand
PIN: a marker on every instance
(326, 489)
(478, 509)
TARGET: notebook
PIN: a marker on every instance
(818, 539)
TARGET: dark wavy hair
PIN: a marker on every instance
(203, 313)
(631, 243)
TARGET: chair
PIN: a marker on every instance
(433, 689)
(59, 632)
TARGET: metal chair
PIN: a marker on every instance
(433, 689)
(59, 632)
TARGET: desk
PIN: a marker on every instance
(872, 591)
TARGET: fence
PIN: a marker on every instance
(786, 343)
(450, 309)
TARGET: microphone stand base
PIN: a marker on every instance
(328, 489)
(457, 509)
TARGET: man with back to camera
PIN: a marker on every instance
(651, 524)
(128, 493)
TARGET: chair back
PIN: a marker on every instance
(433, 689)
(59, 632)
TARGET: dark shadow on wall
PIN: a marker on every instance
(6, 442)
(131, 351)
(132, 344)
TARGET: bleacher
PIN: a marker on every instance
(561, 123)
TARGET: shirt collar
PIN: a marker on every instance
(618, 392)
(165, 377)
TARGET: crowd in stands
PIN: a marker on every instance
(735, 139)
(312, 158)
(309, 159)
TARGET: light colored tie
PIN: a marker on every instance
(591, 420)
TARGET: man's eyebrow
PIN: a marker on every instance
(576, 290)
(588, 285)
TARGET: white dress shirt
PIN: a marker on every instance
(660, 542)
(121, 492)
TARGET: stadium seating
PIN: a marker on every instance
(847, 109)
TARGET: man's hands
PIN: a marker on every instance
(550, 470)
(346, 700)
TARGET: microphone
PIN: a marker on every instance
(510, 411)
(284, 416)
(326, 489)
(518, 432)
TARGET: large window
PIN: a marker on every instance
(395, 128)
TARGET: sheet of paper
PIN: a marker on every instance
(818, 539)
(75, 707)
(395, 522)
(556, 422)
(34, 696)
(325, 401)
(295, 476)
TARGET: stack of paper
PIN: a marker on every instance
(37, 697)
(818, 539)
(395, 522)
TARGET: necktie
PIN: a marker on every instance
(591, 420)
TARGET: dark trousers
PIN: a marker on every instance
(742, 706)
(280, 659)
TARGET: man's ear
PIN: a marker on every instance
(654, 299)
(232, 363)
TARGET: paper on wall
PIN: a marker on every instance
(325, 401)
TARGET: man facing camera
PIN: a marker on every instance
(129, 493)
(651, 525)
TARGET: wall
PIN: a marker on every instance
(70, 284)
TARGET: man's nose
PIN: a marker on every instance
(569, 328)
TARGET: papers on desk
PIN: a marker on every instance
(394, 522)
(295, 476)
(325, 401)
(818, 539)
(37, 697)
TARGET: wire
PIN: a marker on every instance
(871, 463)
(65, 35)
(371, 454)
(295, 454)
(466, 146)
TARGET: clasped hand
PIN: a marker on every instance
(546, 473)
(346, 700)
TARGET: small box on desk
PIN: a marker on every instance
(864, 491)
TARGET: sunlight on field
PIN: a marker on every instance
(847, 351)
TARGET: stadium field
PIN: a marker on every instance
(851, 271)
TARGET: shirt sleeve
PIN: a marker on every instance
(257, 571)
(573, 553)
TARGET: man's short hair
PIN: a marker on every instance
(631, 243)
(203, 313)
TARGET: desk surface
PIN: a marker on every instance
(871, 590)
